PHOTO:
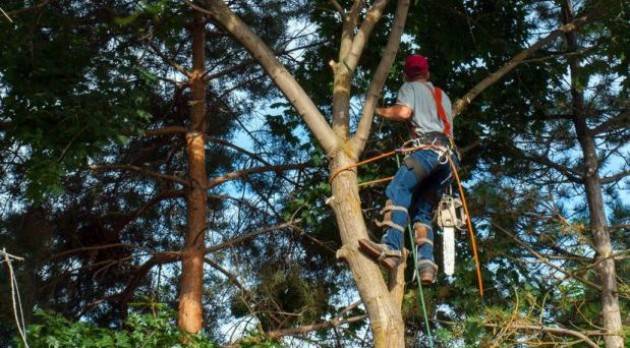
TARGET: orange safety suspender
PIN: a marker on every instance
(437, 96)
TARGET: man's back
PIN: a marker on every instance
(419, 97)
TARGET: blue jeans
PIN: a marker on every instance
(418, 189)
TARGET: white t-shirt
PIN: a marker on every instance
(419, 97)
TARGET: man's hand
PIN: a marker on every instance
(395, 113)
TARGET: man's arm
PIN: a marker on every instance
(396, 112)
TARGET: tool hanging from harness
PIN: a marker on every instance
(450, 215)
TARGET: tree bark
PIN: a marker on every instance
(385, 315)
(190, 316)
(611, 314)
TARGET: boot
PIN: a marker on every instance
(381, 253)
(427, 271)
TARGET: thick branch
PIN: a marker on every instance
(296, 95)
(168, 130)
(141, 170)
(464, 101)
(244, 173)
(374, 91)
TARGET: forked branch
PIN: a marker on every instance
(285, 81)
(378, 81)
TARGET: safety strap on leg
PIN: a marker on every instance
(390, 207)
(421, 233)
(390, 224)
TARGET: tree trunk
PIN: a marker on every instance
(385, 314)
(190, 316)
(611, 314)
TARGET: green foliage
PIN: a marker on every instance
(141, 330)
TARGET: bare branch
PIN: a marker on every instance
(244, 173)
(251, 235)
(374, 91)
(615, 177)
(141, 170)
(296, 95)
(464, 101)
(334, 322)
(237, 148)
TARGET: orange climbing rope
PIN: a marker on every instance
(403, 149)
(473, 239)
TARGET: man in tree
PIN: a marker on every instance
(418, 185)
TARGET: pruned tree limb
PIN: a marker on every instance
(380, 75)
(287, 84)
(463, 102)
